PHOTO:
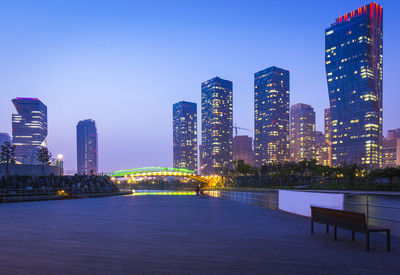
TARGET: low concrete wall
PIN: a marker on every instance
(298, 202)
(29, 170)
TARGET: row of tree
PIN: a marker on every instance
(8, 155)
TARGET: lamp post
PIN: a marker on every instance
(60, 163)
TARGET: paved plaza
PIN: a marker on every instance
(179, 235)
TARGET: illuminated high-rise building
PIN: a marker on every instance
(302, 132)
(29, 128)
(216, 126)
(271, 116)
(185, 135)
(391, 152)
(86, 145)
(392, 134)
(319, 137)
(328, 136)
(327, 125)
(353, 62)
(243, 149)
(322, 148)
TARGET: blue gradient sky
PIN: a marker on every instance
(124, 63)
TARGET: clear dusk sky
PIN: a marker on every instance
(124, 63)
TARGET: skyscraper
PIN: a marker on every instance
(271, 116)
(391, 152)
(392, 134)
(328, 136)
(29, 128)
(216, 125)
(319, 137)
(243, 149)
(86, 141)
(353, 61)
(185, 135)
(4, 137)
(302, 132)
(321, 149)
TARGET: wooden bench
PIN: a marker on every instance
(355, 222)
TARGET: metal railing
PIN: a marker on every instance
(368, 207)
(266, 199)
(270, 199)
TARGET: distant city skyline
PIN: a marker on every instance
(100, 58)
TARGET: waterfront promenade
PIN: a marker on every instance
(176, 234)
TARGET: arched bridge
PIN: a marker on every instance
(163, 172)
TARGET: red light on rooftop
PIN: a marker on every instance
(373, 10)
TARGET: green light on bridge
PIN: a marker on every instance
(142, 170)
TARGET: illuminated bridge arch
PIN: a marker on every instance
(163, 172)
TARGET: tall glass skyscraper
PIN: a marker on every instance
(185, 135)
(328, 135)
(29, 128)
(302, 132)
(216, 126)
(353, 61)
(86, 141)
(271, 116)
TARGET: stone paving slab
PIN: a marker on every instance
(179, 235)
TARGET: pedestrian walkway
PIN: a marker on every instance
(176, 234)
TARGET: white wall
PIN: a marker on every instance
(299, 202)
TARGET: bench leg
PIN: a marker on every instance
(353, 236)
(312, 227)
(367, 242)
(327, 229)
(335, 234)
(388, 240)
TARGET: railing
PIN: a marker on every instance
(368, 207)
(376, 207)
(266, 199)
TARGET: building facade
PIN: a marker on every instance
(271, 116)
(243, 149)
(353, 62)
(4, 137)
(29, 129)
(392, 134)
(322, 149)
(391, 152)
(328, 135)
(302, 132)
(216, 126)
(86, 141)
(185, 135)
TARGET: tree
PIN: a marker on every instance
(44, 157)
(242, 167)
(7, 154)
(390, 173)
